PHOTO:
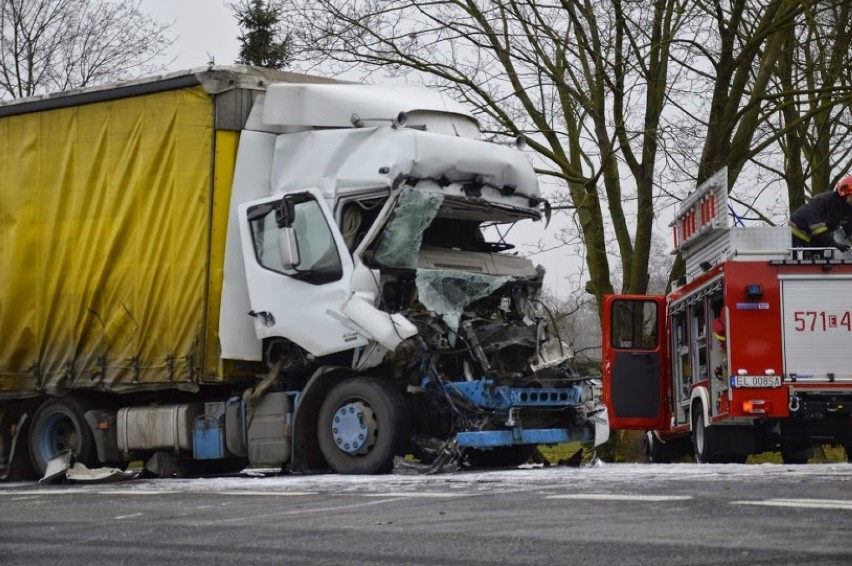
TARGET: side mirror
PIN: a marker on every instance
(288, 248)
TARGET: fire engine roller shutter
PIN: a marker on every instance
(817, 325)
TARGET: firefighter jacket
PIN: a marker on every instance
(815, 221)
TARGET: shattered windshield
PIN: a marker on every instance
(448, 292)
(400, 241)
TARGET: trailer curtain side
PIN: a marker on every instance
(105, 243)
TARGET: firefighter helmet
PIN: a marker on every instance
(719, 329)
(844, 187)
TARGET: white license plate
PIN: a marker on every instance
(755, 381)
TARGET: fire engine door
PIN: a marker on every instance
(296, 294)
(633, 353)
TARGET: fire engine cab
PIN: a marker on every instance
(751, 352)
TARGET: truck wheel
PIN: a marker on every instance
(700, 438)
(655, 451)
(792, 453)
(362, 426)
(58, 426)
(501, 457)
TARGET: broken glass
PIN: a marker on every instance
(447, 292)
(400, 241)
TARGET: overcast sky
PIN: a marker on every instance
(204, 28)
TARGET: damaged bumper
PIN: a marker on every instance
(589, 421)
(596, 432)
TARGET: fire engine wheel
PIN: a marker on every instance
(655, 451)
(700, 438)
(362, 425)
(59, 426)
(792, 453)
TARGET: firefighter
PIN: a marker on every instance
(813, 224)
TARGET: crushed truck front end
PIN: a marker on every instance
(424, 292)
(485, 369)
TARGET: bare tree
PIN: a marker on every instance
(628, 104)
(816, 107)
(584, 82)
(54, 45)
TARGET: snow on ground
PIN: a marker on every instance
(596, 477)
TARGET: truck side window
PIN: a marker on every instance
(634, 325)
(358, 217)
(319, 261)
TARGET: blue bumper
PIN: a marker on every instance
(489, 396)
(494, 438)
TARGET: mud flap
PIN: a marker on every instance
(601, 423)
(17, 467)
(79, 472)
(57, 467)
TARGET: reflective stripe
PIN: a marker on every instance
(719, 337)
(820, 228)
(799, 234)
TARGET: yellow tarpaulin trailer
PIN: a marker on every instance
(113, 210)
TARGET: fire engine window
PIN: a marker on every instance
(699, 322)
(634, 325)
(681, 358)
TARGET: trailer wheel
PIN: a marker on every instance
(362, 425)
(501, 456)
(700, 438)
(59, 426)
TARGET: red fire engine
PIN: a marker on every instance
(752, 352)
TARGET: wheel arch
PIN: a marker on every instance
(306, 454)
(700, 396)
(73, 407)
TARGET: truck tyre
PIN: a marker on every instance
(501, 457)
(58, 426)
(362, 425)
(792, 453)
(700, 438)
(655, 451)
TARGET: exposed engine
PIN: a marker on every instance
(484, 356)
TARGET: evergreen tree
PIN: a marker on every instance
(264, 42)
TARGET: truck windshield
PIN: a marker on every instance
(401, 239)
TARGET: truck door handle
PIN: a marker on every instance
(265, 316)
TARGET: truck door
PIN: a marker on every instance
(634, 348)
(301, 300)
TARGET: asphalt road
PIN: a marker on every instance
(612, 514)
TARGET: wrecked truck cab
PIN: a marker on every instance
(484, 351)
(450, 344)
